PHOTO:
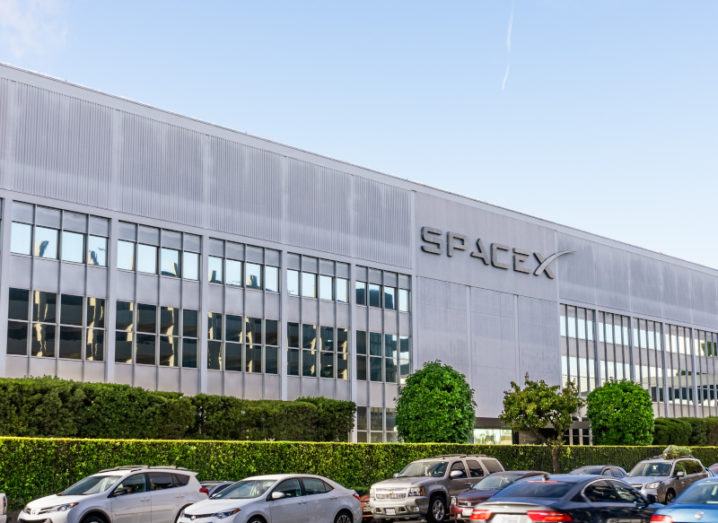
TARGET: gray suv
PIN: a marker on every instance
(424, 487)
(666, 478)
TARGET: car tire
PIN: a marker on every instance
(93, 519)
(257, 519)
(344, 517)
(437, 509)
(670, 496)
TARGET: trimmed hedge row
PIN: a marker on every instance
(686, 431)
(33, 467)
(50, 407)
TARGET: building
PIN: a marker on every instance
(143, 247)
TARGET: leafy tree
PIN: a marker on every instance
(544, 410)
(436, 405)
(621, 413)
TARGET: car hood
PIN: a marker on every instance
(635, 480)
(212, 506)
(404, 482)
(53, 501)
(475, 495)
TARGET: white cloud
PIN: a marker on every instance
(31, 26)
(509, 39)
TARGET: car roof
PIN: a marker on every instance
(279, 477)
(131, 469)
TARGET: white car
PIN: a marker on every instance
(123, 495)
(3, 508)
(278, 498)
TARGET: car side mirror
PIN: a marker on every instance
(456, 474)
(120, 491)
(680, 474)
(396, 474)
(277, 495)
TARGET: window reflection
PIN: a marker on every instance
(253, 278)
(125, 255)
(190, 265)
(20, 238)
(73, 246)
(374, 295)
(46, 242)
(234, 272)
(43, 340)
(389, 298)
(341, 290)
(293, 282)
(170, 264)
(309, 285)
(360, 292)
(214, 265)
(271, 279)
(97, 251)
(146, 258)
(325, 288)
(403, 300)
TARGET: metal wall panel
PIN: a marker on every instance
(4, 123)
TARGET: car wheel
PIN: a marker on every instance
(670, 496)
(343, 517)
(94, 519)
(437, 509)
(256, 520)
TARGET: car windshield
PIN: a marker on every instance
(424, 469)
(247, 489)
(702, 494)
(550, 489)
(495, 482)
(91, 485)
(651, 468)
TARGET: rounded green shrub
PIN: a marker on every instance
(621, 413)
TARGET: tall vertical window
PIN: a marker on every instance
(44, 316)
(97, 250)
(293, 344)
(17, 329)
(360, 292)
(95, 332)
(390, 355)
(124, 331)
(309, 352)
(234, 338)
(271, 341)
(271, 278)
(169, 339)
(327, 352)
(361, 358)
(190, 265)
(374, 295)
(214, 343)
(214, 266)
(404, 299)
(71, 312)
(342, 354)
(375, 357)
(404, 357)
(21, 238)
(126, 255)
(293, 282)
(253, 346)
(45, 242)
(146, 354)
(389, 298)
(341, 289)
(234, 272)
(73, 247)
(326, 288)
(362, 425)
(309, 285)
(253, 276)
(189, 338)
(146, 258)
(170, 262)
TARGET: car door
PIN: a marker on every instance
(321, 502)
(165, 497)
(131, 501)
(634, 506)
(476, 471)
(680, 476)
(458, 478)
(695, 471)
(606, 505)
(292, 507)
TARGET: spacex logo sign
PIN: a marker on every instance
(435, 241)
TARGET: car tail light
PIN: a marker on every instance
(661, 518)
(480, 514)
(549, 516)
(204, 490)
(357, 497)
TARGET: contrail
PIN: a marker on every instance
(509, 38)
(506, 77)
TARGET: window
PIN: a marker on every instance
(20, 238)
(404, 298)
(327, 354)
(95, 334)
(146, 258)
(458, 466)
(362, 424)
(214, 343)
(309, 285)
(133, 485)
(73, 247)
(315, 486)
(341, 290)
(190, 265)
(45, 242)
(325, 288)
(293, 348)
(271, 279)
(71, 312)
(234, 272)
(361, 349)
(146, 353)
(43, 328)
(271, 340)
(254, 345)
(214, 266)
(390, 353)
(601, 492)
(189, 339)
(360, 292)
(309, 352)
(293, 283)
(169, 340)
(97, 251)
(493, 465)
(390, 298)
(125, 255)
(161, 481)
(475, 470)
(375, 359)
(170, 262)
(374, 295)
(253, 279)
(404, 356)
(17, 331)
(124, 335)
(342, 354)
(290, 488)
(376, 424)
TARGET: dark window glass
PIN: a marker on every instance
(181, 480)
(271, 364)
(254, 358)
(375, 344)
(601, 492)
(146, 354)
(290, 488)
(361, 342)
(404, 356)
(214, 326)
(214, 355)
(327, 334)
(389, 298)
(390, 345)
(124, 316)
(254, 331)
(536, 489)
(168, 321)
(133, 484)
(18, 304)
(161, 481)
(271, 332)
(234, 328)
(189, 353)
(169, 351)
(626, 493)
(123, 347)
(95, 313)
(390, 371)
(293, 362)
(342, 340)
(458, 466)
(314, 486)
(293, 334)
(309, 336)
(361, 367)
(375, 369)
(360, 292)
(493, 465)
(71, 342)
(309, 363)
(327, 367)
(233, 356)
(70, 309)
(95, 348)
(374, 295)
(146, 318)
(189, 323)
(475, 470)
(342, 366)
(44, 306)
(17, 338)
(43, 340)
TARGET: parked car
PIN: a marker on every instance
(666, 478)
(127, 494)
(699, 502)
(464, 502)
(424, 487)
(567, 498)
(3, 508)
(612, 471)
(215, 487)
(278, 498)
(714, 468)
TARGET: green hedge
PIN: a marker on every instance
(33, 467)
(50, 407)
(686, 431)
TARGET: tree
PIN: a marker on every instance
(436, 405)
(621, 413)
(544, 410)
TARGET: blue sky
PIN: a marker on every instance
(602, 115)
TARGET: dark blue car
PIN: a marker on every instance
(697, 504)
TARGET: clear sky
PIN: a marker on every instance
(598, 114)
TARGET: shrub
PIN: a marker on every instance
(669, 431)
(621, 413)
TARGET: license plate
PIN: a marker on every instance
(391, 512)
(467, 511)
(507, 518)
(623, 520)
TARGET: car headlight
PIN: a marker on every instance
(226, 514)
(655, 484)
(58, 508)
(416, 491)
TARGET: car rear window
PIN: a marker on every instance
(493, 465)
(550, 489)
(181, 480)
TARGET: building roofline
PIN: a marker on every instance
(174, 118)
